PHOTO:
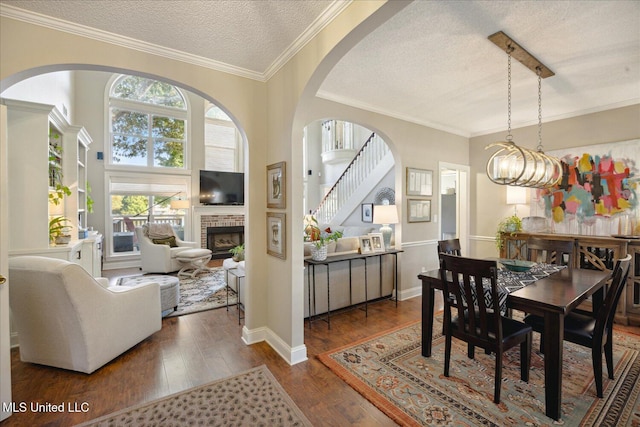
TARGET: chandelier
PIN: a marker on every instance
(511, 164)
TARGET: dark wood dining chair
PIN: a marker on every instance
(450, 246)
(477, 324)
(551, 251)
(595, 333)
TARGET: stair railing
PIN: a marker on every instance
(365, 160)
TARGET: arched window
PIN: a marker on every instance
(148, 124)
(147, 166)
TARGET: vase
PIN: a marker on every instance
(319, 253)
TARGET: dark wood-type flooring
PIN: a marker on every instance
(198, 348)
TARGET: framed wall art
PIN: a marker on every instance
(367, 212)
(276, 237)
(276, 186)
(418, 210)
(419, 182)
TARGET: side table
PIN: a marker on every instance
(239, 275)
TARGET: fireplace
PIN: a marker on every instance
(221, 239)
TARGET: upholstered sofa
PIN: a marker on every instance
(161, 257)
(67, 319)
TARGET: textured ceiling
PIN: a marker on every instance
(431, 63)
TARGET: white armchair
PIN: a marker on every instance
(160, 258)
(67, 319)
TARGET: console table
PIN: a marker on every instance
(350, 258)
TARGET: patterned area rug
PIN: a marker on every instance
(204, 292)
(389, 370)
(253, 398)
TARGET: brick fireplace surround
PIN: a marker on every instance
(218, 221)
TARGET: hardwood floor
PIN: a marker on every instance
(198, 348)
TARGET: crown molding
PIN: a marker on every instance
(316, 26)
(374, 109)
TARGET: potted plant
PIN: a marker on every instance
(59, 230)
(319, 248)
(238, 253)
(511, 224)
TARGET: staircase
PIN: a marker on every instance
(373, 161)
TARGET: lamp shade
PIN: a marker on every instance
(179, 204)
(516, 195)
(385, 214)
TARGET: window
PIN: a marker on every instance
(148, 128)
(134, 200)
(221, 141)
(148, 120)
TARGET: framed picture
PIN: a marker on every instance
(377, 242)
(418, 210)
(276, 186)
(276, 237)
(365, 245)
(367, 212)
(419, 182)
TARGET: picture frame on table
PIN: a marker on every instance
(276, 235)
(377, 242)
(365, 245)
(419, 182)
(418, 210)
(366, 209)
(276, 185)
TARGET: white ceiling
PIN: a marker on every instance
(431, 63)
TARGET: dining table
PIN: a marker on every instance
(552, 296)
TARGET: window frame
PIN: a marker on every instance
(150, 110)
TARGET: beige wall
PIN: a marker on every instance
(272, 117)
(488, 199)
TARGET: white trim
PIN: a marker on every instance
(376, 109)
(406, 294)
(419, 243)
(324, 19)
(291, 355)
(320, 23)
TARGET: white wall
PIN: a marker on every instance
(52, 88)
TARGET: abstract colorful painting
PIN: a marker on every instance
(594, 184)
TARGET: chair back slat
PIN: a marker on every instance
(606, 314)
(466, 279)
(551, 251)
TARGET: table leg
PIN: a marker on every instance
(427, 318)
(328, 300)
(395, 285)
(553, 340)
(366, 285)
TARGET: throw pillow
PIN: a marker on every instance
(170, 241)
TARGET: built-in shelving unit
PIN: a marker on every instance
(46, 152)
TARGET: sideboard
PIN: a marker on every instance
(592, 252)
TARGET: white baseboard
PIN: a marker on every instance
(291, 355)
(410, 293)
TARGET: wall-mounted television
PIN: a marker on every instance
(221, 188)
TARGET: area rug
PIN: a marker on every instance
(206, 291)
(389, 370)
(252, 398)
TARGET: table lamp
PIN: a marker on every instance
(385, 215)
(516, 196)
